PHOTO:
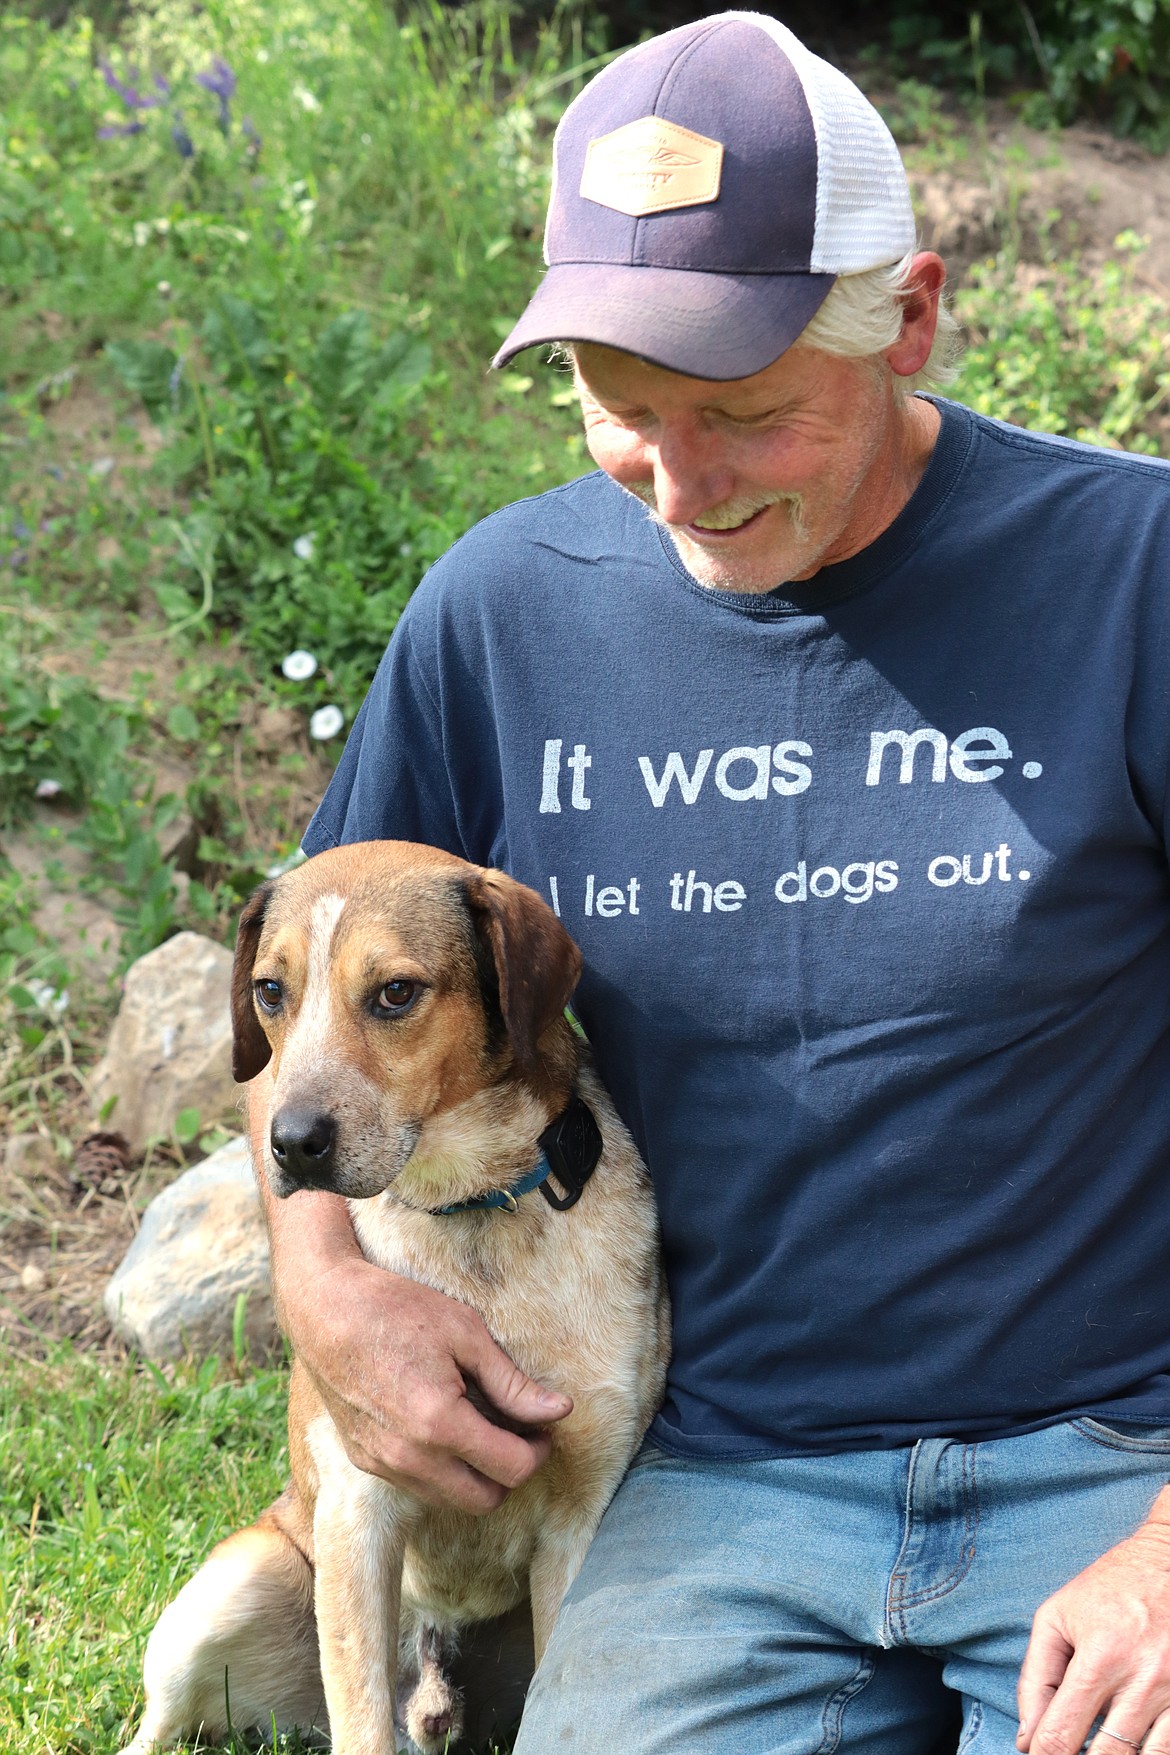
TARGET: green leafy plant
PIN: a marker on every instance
(1066, 352)
(315, 513)
(1109, 58)
(51, 730)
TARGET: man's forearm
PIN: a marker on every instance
(306, 1233)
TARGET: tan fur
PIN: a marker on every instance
(432, 1108)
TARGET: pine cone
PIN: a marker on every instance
(100, 1160)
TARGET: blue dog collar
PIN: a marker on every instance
(570, 1147)
(507, 1198)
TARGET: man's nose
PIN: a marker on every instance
(690, 477)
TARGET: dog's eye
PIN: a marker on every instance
(269, 993)
(396, 997)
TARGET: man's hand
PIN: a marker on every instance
(1100, 1648)
(391, 1360)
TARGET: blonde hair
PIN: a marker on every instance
(862, 316)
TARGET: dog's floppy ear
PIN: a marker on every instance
(537, 963)
(250, 1050)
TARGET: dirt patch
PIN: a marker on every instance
(1046, 195)
(88, 430)
(63, 1230)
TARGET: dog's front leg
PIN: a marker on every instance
(555, 1565)
(358, 1541)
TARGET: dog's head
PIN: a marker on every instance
(388, 983)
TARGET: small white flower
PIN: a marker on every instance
(299, 666)
(365, 140)
(306, 99)
(164, 289)
(326, 723)
(405, 549)
(48, 789)
(304, 545)
(48, 997)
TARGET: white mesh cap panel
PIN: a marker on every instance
(864, 218)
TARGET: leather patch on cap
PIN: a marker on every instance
(650, 166)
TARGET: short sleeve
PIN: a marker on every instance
(394, 781)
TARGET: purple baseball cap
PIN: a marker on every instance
(708, 188)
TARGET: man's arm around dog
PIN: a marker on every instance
(393, 1362)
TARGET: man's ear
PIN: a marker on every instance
(537, 964)
(250, 1050)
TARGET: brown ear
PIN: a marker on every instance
(537, 963)
(250, 1050)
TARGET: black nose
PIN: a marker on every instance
(303, 1142)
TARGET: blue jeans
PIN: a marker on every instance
(797, 1607)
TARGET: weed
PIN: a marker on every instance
(1062, 352)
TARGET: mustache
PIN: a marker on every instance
(729, 513)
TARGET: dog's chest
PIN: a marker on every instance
(569, 1296)
(459, 1568)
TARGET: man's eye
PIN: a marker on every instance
(396, 997)
(269, 993)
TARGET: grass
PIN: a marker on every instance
(115, 1481)
(244, 315)
(104, 1511)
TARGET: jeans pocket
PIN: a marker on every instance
(1153, 1439)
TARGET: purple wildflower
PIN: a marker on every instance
(218, 79)
(221, 82)
(120, 130)
(184, 145)
(130, 94)
(253, 138)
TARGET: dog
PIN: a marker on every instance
(412, 1007)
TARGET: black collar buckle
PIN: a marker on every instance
(572, 1145)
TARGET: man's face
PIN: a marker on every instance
(759, 480)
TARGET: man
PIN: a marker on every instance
(833, 722)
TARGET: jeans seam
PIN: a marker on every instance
(1108, 1440)
(973, 1728)
(833, 1714)
(958, 1573)
(895, 1630)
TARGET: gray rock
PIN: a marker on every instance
(201, 1243)
(171, 1045)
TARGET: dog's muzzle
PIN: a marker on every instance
(304, 1145)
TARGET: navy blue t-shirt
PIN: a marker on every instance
(870, 877)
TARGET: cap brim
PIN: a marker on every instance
(718, 326)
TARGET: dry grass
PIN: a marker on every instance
(62, 1231)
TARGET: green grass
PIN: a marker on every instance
(115, 1482)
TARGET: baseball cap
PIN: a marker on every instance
(708, 188)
